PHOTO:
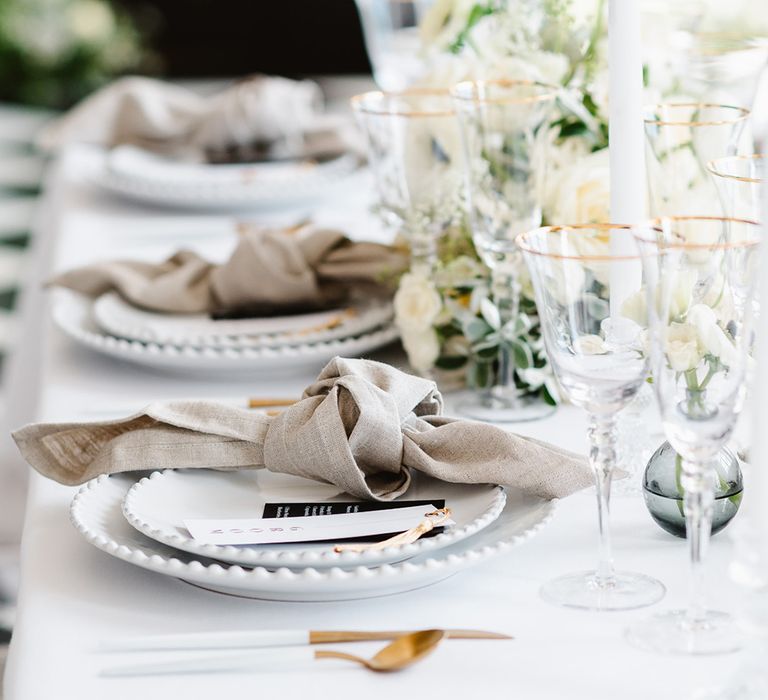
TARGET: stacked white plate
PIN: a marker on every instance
(140, 520)
(191, 343)
(141, 175)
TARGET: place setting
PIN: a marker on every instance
(285, 298)
(276, 527)
(263, 142)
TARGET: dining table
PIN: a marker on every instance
(74, 597)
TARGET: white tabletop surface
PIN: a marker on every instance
(73, 595)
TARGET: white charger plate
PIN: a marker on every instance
(96, 513)
(158, 505)
(119, 318)
(141, 175)
(73, 314)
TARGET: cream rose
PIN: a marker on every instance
(417, 303)
(422, 347)
(682, 347)
(581, 193)
(712, 337)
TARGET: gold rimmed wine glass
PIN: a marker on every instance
(698, 307)
(740, 181)
(580, 281)
(414, 150)
(681, 138)
(504, 125)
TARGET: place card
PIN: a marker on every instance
(311, 528)
(295, 510)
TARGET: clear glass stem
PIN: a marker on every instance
(698, 502)
(423, 251)
(602, 459)
(506, 294)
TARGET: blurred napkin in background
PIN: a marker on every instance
(269, 269)
(257, 118)
(362, 426)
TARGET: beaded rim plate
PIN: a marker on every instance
(96, 513)
(74, 316)
(119, 318)
(158, 505)
(144, 176)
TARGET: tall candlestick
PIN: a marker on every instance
(627, 143)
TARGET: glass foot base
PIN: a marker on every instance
(625, 591)
(673, 633)
(497, 409)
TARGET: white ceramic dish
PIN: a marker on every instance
(119, 318)
(73, 314)
(96, 512)
(158, 505)
(148, 177)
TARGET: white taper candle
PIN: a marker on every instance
(627, 142)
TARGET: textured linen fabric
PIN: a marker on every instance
(172, 120)
(268, 268)
(363, 426)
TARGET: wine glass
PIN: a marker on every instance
(504, 125)
(393, 40)
(700, 277)
(739, 181)
(581, 283)
(414, 149)
(680, 140)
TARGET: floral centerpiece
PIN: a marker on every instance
(448, 320)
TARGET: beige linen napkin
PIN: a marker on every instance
(363, 426)
(269, 267)
(284, 116)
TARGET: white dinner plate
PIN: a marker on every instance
(119, 318)
(159, 504)
(73, 314)
(96, 512)
(148, 177)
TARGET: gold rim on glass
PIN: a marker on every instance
(712, 166)
(358, 103)
(743, 113)
(477, 87)
(522, 241)
(660, 226)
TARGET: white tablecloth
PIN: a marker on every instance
(73, 595)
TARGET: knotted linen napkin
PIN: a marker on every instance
(268, 268)
(362, 426)
(283, 116)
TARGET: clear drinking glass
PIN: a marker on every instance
(596, 354)
(739, 181)
(504, 125)
(391, 31)
(700, 278)
(680, 140)
(414, 150)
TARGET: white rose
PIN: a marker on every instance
(422, 347)
(417, 303)
(590, 345)
(711, 336)
(682, 347)
(581, 193)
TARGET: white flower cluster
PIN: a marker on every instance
(417, 306)
(696, 330)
